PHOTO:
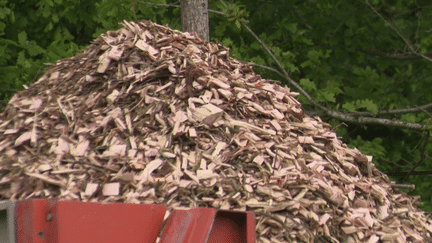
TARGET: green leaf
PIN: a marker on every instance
(307, 84)
(374, 147)
(276, 51)
(292, 27)
(369, 105)
(307, 41)
(34, 50)
(314, 55)
(258, 60)
(327, 96)
(291, 67)
(4, 12)
(220, 29)
(31, 46)
(409, 117)
(2, 27)
(350, 107)
(55, 18)
(306, 63)
(227, 42)
(22, 38)
(22, 61)
(49, 27)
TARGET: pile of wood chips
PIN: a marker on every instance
(147, 114)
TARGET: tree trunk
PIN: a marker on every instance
(195, 17)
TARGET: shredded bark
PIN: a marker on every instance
(146, 114)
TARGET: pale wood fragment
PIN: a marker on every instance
(141, 44)
(237, 123)
(104, 62)
(91, 188)
(111, 189)
(207, 114)
(116, 52)
(23, 138)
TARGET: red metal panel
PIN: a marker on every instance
(42, 221)
(188, 226)
(208, 225)
(114, 222)
(233, 226)
(250, 227)
(30, 221)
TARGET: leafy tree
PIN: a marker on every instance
(363, 66)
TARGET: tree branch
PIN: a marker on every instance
(160, 4)
(404, 173)
(262, 44)
(349, 117)
(399, 32)
(300, 15)
(404, 186)
(422, 157)
(396, 111)
(401, 56)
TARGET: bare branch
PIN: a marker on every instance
(217, 12)
(404, 186)
(394, 164)
(399, 32)
(404, 173)
(266, 67)
(300, 15)
(160, 4)
(349, 117)
(396, 111)
(266, 48)
(223, 3)
(423, 154)
(382, 112)
(401, 56)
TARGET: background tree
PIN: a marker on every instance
(195, 17)
(363, 66)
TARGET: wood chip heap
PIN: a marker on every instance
(147, 114)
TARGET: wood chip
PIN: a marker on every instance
(111, 189)
(207, 114)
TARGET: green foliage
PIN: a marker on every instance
(350, 106)
(307, 84)
(374, 147)
(341, 52)
(236, 14)
(357, 105)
